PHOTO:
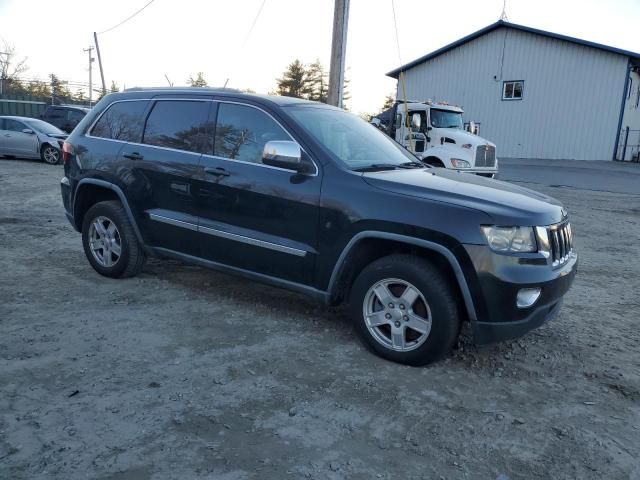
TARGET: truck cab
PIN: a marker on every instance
(435, 132)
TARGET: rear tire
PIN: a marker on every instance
(418, 323)
(109, 241)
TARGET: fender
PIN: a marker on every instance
(444, 154)
(119, 192)
(436, 247)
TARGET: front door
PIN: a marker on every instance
(16, 142)
(253, 216)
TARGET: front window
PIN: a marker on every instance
(354, 142)
(446, 119)
(43, 127)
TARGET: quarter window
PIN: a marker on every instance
(512, 90)
(122, 121)
(177, 124)
(242, 132)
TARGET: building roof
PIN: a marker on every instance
(501, 23)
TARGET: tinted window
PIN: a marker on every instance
(13, 125)
(74, 116)
(241, 132)
(177, 124)
(122, 121)
(55, 113)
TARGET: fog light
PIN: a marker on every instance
(527, 297)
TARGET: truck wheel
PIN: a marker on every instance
(109, 242)
(404, 310)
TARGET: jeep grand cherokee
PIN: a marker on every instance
(311, 198)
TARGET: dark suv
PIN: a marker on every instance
(65, 117)
(311, 198)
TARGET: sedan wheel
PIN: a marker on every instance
(50, 155)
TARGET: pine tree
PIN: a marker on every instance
(318, 82)
(388, 102)
(294, 81)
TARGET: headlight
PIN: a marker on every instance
(510, 239)
(458, 163)
(466, 145)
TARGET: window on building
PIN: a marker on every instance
(177, 124)
(512, 89)
(630, 89)
(638, 97)
(122, 121)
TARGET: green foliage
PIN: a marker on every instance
(199, 81)
(294, 81)
(318, 80)
(114, 88)
(388, 102)
(310, 82)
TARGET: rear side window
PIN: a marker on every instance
(177, 124)
(55, 113)
(13, 125)
(241, 132)
(75, 116)
(122, 121)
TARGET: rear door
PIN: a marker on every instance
(166, 159)
(254, 216)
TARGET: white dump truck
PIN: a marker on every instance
(435, 132)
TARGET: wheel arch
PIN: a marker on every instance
(368, 246)
(434, 160)
(91, 191)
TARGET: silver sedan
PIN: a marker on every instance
(30, 138)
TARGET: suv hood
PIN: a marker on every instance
(506, 203)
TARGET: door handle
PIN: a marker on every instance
(133, 156)
(218, 172)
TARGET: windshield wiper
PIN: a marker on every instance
(412, 165)
(377, 167)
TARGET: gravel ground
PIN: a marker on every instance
(186, 373)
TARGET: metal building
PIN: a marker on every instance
(536, 94)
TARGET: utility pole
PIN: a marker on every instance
(104, 87)
(338, 49)
(91, 59)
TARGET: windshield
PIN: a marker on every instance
(445, 119)
(43, 127)
(353, 141)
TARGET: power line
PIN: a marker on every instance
(246, 38)
(126, 19)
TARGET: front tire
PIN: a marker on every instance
(109, 241)
(404, 309)
(50, 154)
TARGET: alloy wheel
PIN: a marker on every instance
(51, 155)
(397, 315)
(105, 241)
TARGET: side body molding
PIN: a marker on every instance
(118, 191)
(436, 247)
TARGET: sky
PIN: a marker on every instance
(180, 38)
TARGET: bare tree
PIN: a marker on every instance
(11, 67)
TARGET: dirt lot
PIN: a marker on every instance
(186, 373)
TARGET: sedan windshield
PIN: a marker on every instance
(354, 142)
(43, 127)
(445, 119)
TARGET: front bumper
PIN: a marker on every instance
(500, 277)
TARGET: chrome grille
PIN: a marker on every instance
(485, 156)
(560, 243)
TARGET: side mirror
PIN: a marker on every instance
(27, 130)
(415, 120)
(283, 154)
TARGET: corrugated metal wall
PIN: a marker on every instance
(571, 102)
(22, 105)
